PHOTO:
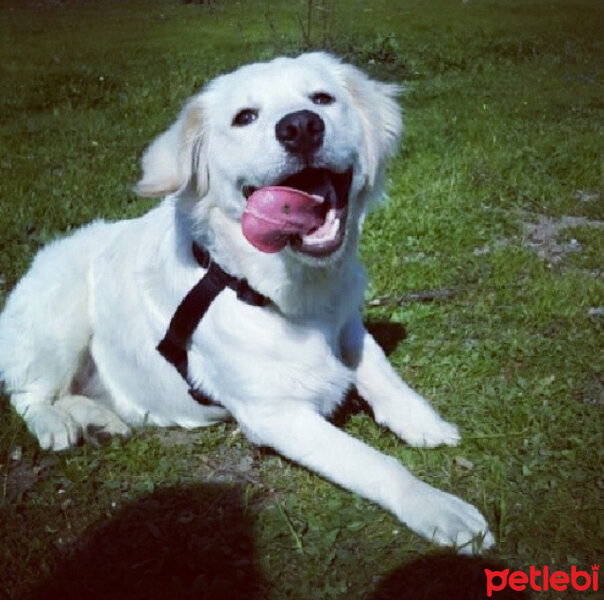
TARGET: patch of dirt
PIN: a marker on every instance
(23, 474)
(588, 196)
(593, 391)
(235, 461)
(544, 236)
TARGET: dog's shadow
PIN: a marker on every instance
(443, 576)
(194, 542)
(388, 336)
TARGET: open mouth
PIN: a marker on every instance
(306, 210)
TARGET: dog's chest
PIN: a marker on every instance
(244, 353)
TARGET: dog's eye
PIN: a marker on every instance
(245, 117)
(322, 98)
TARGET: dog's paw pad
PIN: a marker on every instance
(97, 435)
(101, 434)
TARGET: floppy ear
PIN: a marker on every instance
(176, 155)
(381, 116)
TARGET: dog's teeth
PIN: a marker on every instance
(327, 232)
(334, 229)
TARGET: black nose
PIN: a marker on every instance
(301, 132)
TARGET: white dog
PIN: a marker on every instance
(177, 318)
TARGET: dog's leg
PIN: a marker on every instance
(395, 405)
(302, 435)
(44, 333)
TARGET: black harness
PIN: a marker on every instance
(191, 310)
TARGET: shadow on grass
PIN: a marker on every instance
(388, 336)
(442, 576)
(176, 543)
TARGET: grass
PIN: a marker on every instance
(503, 128)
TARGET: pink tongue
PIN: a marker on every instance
(273, 214)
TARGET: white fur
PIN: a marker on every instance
(78, 334)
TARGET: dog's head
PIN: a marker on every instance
(311, 123)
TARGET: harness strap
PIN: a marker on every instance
(192, 309)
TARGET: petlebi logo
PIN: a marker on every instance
(542, 580)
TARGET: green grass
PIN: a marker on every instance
(503, 109)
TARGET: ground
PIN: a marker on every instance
(486, 290)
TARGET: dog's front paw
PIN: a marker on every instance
(446, 520)
(437, 432)
(54, 427)
(418, 424)
(97, 423)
